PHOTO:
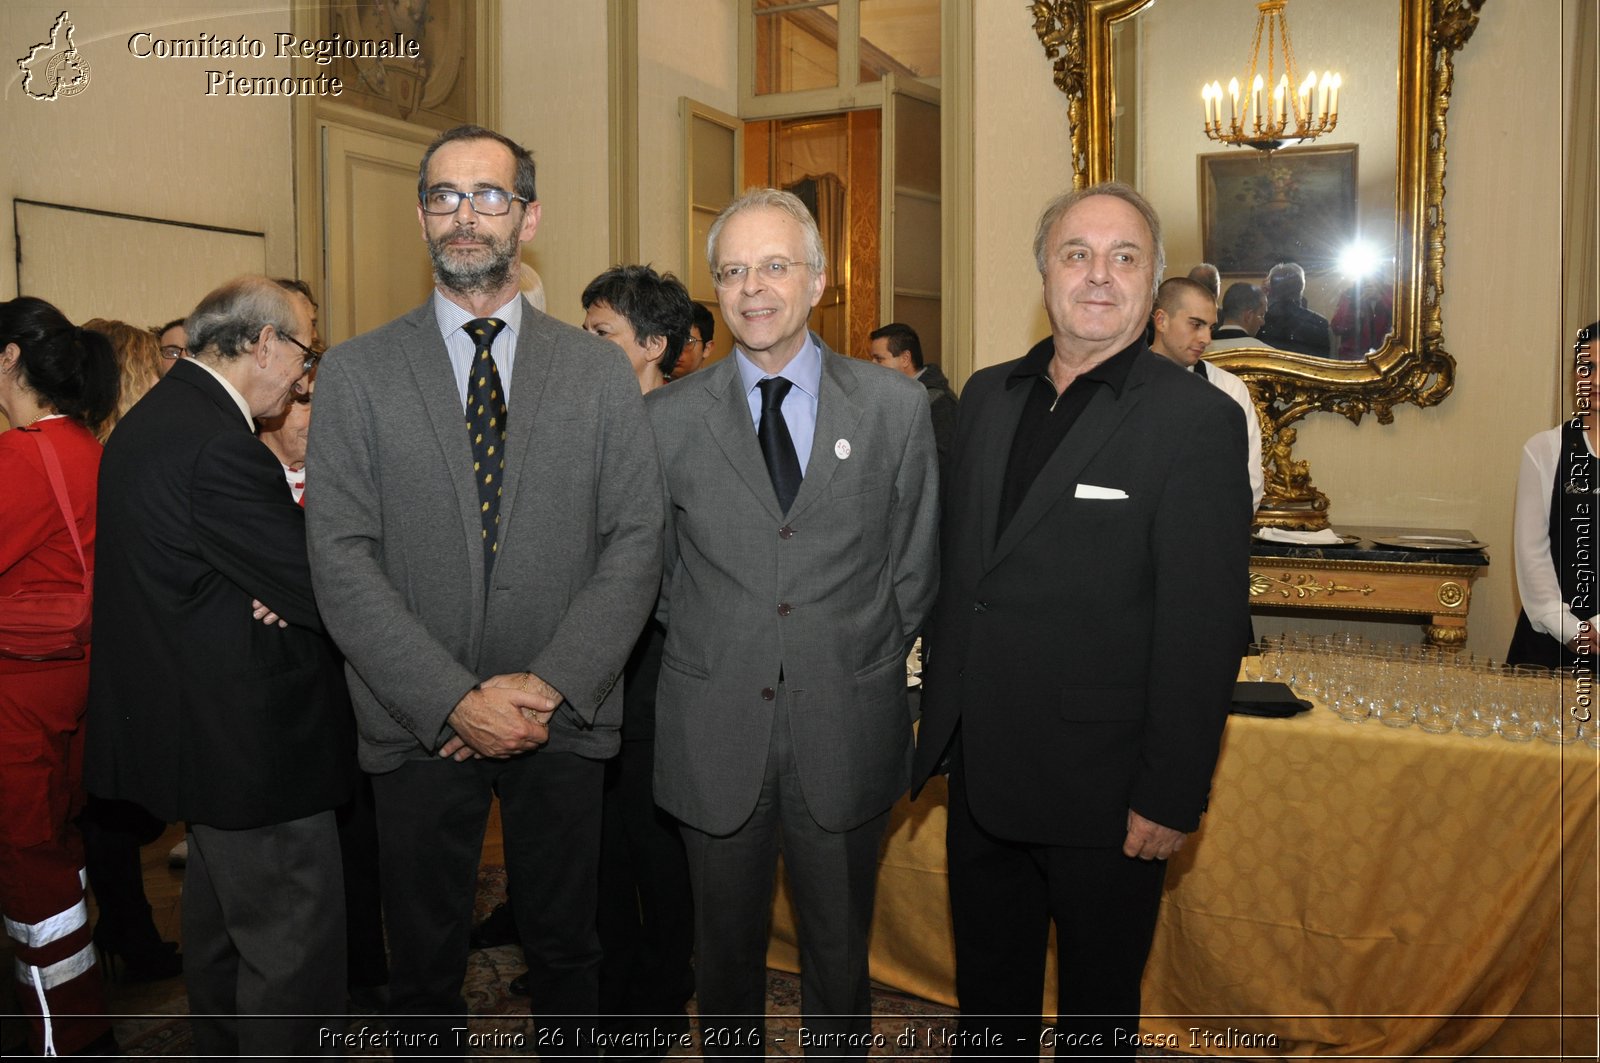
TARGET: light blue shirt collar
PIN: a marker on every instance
(451, 318)
(804, 371)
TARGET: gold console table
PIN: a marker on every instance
(1371, 578)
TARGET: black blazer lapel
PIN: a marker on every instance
(992, 460)
(1060, 474)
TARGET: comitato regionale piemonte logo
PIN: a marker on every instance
(54, 69)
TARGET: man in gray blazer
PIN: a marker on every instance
(486, 547)
(800, 560)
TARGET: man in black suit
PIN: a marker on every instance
(1290, 325)
(1091, 609)
(199, 712)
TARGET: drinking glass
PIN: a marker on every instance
(1483, 698)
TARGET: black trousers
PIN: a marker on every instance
(646, 918)
(431, 819)
(1003, 897)
(363, 901)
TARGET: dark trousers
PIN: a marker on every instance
(646, 919)
(263, 938)
(363, 901)
(431, 819)
(113, 833)
(1003, 897)
(833, 878)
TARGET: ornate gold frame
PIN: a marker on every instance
(1413, 366)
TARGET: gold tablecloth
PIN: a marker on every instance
(1355, 890)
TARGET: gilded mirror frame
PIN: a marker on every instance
(1412, 366)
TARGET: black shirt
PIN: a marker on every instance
(1047, 418)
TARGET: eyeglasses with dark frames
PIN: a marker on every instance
(490, 202)
(312, 357)
(172, 351)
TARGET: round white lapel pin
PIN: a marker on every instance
(841, 449)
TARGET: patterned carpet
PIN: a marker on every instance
(904, 1027)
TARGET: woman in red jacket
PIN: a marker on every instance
(57, 384)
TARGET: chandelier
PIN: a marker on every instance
(1246, 116)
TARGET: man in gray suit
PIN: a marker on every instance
(800, 560)
(486, 548)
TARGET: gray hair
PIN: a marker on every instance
(773, 199)
(1286, 280)
(231, 317)
(1057, 207)
(1206, 274)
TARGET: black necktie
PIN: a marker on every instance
(486, 427)
(776, 446)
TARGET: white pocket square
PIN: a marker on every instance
(1092, 491)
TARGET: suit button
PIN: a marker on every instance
(767, 693)
(784, 609)
(786, 532)
(979, 607)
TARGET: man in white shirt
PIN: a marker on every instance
(1553, 519)
(1182, 322)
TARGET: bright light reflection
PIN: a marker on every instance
(1359, 260)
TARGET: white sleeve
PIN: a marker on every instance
(1538, 583)
(1237, 390)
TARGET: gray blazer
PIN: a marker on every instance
(394, 533)
(831, 596)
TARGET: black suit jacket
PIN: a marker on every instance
(1089, 653)
(942, 408)
(196, 710)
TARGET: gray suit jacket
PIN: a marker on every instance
(394, 532)
(830, 595)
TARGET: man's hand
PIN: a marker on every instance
(265, 615)
(1149, 840)
(497, 722)
(533, 686)
(1587, 640)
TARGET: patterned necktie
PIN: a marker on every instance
(776, 445)
(486, 427)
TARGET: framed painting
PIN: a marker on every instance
(1294, 205)
(450, 82)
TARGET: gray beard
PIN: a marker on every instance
(489, 275)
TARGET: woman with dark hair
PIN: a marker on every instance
(57, 384)
(645, 313)
(1556, 500)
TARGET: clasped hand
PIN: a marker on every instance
(503, 715)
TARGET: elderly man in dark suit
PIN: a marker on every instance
(485, 533)
(198, 712)
(1092, 606)
(802, 492)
